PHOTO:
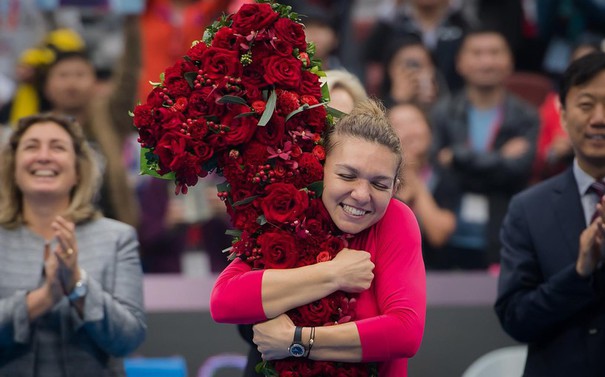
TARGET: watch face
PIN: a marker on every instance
(81, 290)
(297, 350)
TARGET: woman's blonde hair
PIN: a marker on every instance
(81, 206)
(345, 80)
(368, 121)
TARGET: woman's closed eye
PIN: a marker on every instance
(381, 186)
(347, 177)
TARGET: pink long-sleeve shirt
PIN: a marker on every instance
(391, 313)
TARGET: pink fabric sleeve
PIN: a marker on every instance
(237, 295)
(399, 286)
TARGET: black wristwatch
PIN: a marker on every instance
(297, 348)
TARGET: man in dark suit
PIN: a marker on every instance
(551, 292)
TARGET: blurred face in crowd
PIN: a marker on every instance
(485, 60)
(70, 84)
(413, 57)
(359, 178)
(45, 162)
(583, 117)
(324, 37)
(411, 126)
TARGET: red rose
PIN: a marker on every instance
(219, 62)
(225, 38)
(284, 203)
(333, 245)
(202, 102)
(281, 47)
(251, 17)
(317, 312)
(283, 71)
(319, 217)
(291, 32)
(241, 129)
(273, 132)
(253, 78)
(315, 119)
(203, 151)
(155, 98)
(197, 50)
(279, 249)
(170, 147)
(310, 84)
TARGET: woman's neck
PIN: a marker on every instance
(40, 216)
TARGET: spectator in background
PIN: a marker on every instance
(550, 291)
(423, 186)
(320, 29)
(485, 137)
(554, 152)
(71, 286)
(340, 14)
(66, 83)
(345, 89)
(435, 22)
(411, 75)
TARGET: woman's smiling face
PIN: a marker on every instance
(359, 178)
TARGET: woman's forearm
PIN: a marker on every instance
(335, 343)
(283, 290)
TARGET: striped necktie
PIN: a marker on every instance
(597, 188)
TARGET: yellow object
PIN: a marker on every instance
(36, 57)
(26, 102)
(65, 40)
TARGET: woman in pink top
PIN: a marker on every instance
(384, 262)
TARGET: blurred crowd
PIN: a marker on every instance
(470, 86)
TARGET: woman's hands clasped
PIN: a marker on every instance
(61, 267)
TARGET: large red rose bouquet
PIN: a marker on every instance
(246, 102)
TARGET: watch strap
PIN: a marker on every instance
(297, 335)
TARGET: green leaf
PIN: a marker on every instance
(337, 113)
(232, 99)
(233, 232)
(149, 165)
(317, 187)
(190, 78)
(325, 92)
(249, 199)
(269, 109)
(302, 108)
(223, 187)
(244, 115)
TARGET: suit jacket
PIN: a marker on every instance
(542, 300)
(113, 322)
